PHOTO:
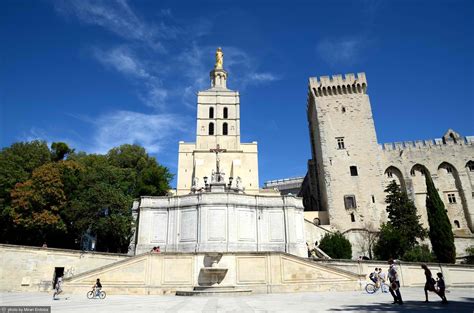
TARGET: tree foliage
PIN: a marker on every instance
(440, 233)
(336, 246)
(58, 195)
(403, 229)
(419, 253)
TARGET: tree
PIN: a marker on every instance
(419, 253)
(440, 233)
(59, 150)
(37, 203)
(17, 163)
(391, 244)
(368, 239)
(403, 229)
(148, 177)
(336, 246)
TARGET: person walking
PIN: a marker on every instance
(430, 282)
(441, 288)
(58, 287)
(394, 287)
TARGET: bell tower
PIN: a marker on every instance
(217, 127)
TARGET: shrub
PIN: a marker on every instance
(419, 253)
(336, 246)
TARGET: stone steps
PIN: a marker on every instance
(214, 291)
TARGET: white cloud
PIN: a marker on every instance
(115, 16)
(124, 61)
(152, 131)
(340, 51)
(263, 77)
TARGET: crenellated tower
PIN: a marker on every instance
(345, 167)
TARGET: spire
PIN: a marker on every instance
(218, 74)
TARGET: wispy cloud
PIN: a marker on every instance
(127, 63)
(152, 131)
(118, 17)
(340, 51)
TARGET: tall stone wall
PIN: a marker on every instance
(26, 268)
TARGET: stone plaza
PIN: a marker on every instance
(460, 300)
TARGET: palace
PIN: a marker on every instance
(348, 170)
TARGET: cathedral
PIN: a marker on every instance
(349, 170)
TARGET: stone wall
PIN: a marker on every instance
(221, 222)
(26, 268)
(261, 272)
(411, 274)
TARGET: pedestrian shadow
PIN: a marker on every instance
(463, 305)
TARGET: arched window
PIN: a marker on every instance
(456, 222)
(211, 128)
(211, 112)
(224, 129)
(226, 112)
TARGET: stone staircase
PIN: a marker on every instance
(215, 291)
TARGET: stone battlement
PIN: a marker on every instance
(437, 143)
(338, 85)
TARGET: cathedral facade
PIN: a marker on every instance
(349, 170)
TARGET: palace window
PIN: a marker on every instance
(211, 112)
(451, 198)
(340, 143)
(226, 113)
(350, 202)
(224, 129)
(353, 171)
(211, 128)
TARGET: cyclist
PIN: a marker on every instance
(97, 287)
(374, 276)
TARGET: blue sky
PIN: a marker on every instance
(97, 74)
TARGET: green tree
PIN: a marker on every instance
(17, 163)
(59, 150)
(336, 246)
(147, 176)
(101, 204)
(440, 232)
(419, 253)
(403, 229)
(391, 243)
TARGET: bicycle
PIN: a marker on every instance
(372, 288)
(94, 294)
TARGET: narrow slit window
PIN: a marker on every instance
(353, 219)
(373, 199)
(224, 129)
(226, 113)
(211, 112)
(211, 128)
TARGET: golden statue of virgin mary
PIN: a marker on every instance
(219, 59)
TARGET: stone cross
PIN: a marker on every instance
(217, 150)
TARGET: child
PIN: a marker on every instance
(441, 287)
